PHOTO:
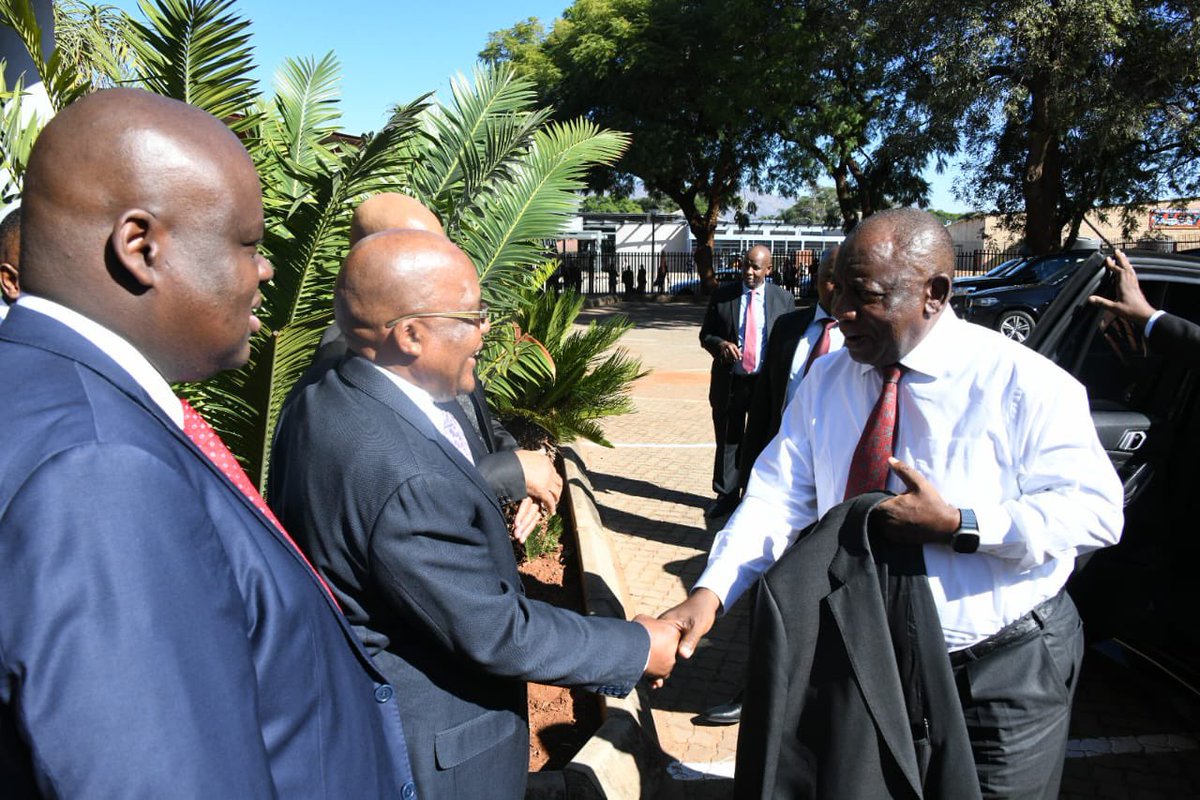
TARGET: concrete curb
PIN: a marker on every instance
(622, 760)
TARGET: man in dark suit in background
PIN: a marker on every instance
(798, 339)
(1166, 333)
(161, 636)
(377, 484)
(735, 331)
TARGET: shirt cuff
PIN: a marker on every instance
(721, 581)
(994, 524)
(1150, 322)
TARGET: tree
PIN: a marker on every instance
(857, 111)
(502, 179)
(818, 206)
(607, 204)
(680, 76)
(1071, 105)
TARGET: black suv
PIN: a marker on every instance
(1146, 408)
(1013, 301)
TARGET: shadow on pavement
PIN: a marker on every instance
(639, 488)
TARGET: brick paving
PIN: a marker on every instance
(1132, 735)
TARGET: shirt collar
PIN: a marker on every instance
(116, 348)
(820, 313)
(421, 398)
(934, 354)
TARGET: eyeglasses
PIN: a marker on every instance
(478, 317)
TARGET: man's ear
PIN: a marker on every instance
(408, 338)
(137, 246)
(938, 293)
(10, 282)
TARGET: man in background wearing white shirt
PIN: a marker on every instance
(1002, 479)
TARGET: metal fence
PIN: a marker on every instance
(636, 274)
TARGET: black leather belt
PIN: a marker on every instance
(1016, 631)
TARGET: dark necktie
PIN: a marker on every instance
(204, 437)
(869, 467)
(822, 346)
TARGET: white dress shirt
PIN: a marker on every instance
(424, 401)
(812, 334)
(993, 425)
(3, 311)
(760, 314)
(116, 348)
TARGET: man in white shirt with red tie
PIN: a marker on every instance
(736, 329)
(1001, 478)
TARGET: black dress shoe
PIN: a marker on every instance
(725, 714)
(723, 505)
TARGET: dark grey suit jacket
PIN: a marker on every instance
(1176, 337)
(721, 324)
(413, 543)
(770, 390)
(849, 691)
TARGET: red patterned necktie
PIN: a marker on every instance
(750, 340)
(822, 346)
(869, 467)
(204, 437)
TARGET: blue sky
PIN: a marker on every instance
(392, 52)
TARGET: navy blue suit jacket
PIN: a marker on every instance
(158, 637)
(412, 540)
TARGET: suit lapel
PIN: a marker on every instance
(38, 330)
(857, 609)
(363, 375)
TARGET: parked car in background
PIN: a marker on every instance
(692, 285)
(973, 283)
(1016, 300)
(1141, 593)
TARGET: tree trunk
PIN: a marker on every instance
(845, 197)
(1041, 185)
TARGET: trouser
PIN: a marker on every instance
(1016, 689)
(729, 427)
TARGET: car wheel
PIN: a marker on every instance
(1016, 325)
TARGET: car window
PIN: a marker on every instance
(1117, 366)
(1053, 269)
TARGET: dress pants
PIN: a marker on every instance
(729, 426)
(1017, 702)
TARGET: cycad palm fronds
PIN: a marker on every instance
(305, 116)
(197, 52)
(19, 129)
(591, 380)
(505, 233)
(480, 136)
(62, 82)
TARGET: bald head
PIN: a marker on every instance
(391, 210)
(893, 278)
(143, 213)
(391, 275)
(914, 239)
(757, 266)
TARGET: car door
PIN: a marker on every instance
(1146, 413)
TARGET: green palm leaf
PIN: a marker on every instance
(62, 82)
(304, 120)
(19, 129)
(194, 51)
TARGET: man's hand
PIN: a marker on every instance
(542, 481)
(1130, 304)
(919, 516)
(525, 520)
(728, 353)
(695, 617)
(664, 642)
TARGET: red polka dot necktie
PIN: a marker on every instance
(204, 437)
(822, 346)
(869, 467)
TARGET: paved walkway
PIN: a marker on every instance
(1130, 739)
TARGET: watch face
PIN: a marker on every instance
(965, 542)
